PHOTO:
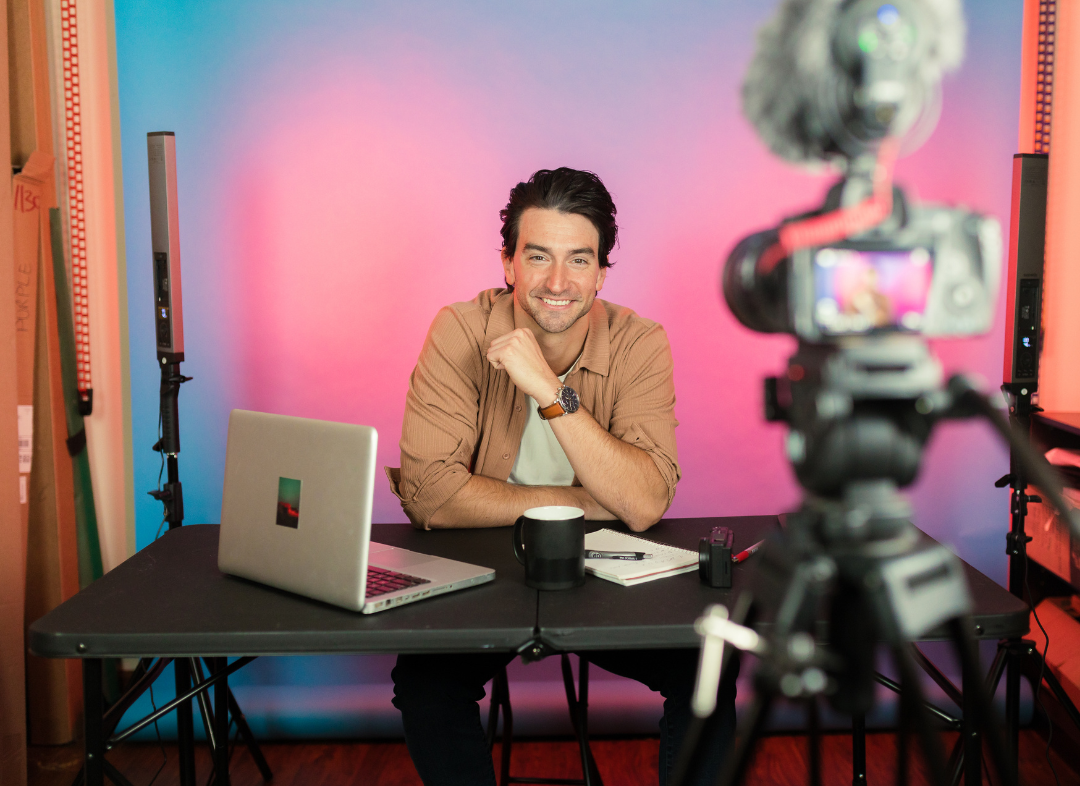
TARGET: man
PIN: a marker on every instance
(539, 394)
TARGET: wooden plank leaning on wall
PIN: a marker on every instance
(12, 531)
(53, 688)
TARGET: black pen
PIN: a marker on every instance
(634, 555)
(742, 555)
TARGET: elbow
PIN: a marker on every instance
(438, 520)
(648, 514)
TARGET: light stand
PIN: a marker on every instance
(169, 323)
(1023, 325)
(1020, 657)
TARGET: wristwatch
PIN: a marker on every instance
(566, 403)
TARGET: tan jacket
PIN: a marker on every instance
(463, 417)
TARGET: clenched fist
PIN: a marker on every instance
(519, 353)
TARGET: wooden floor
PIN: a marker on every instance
(780, 761)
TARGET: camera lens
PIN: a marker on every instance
(759, 301)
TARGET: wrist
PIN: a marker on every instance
(547, 394)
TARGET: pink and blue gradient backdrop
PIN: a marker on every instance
(342, 165)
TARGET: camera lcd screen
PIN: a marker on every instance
(857, 291)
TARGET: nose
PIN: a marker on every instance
(557, 278)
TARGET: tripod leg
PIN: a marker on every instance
(914, 717)
(858, 750)
(902, 744)
(982, 711)
(185, 733)
(115, 775)
(249, 738)
(814, 721)
(204, 705)
(688, 759)
(1059, 693)
(141, 680)
(746, 739)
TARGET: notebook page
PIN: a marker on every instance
(667, 560)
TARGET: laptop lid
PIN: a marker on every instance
(296, 507)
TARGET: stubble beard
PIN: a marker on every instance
(555, 322)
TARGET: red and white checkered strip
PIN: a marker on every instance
(1044, 79)
(76, 213)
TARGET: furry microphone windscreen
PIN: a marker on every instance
(798, 94)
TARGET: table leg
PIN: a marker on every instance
(94, 711)
(858, 750)
(221, 721)
(185, 731)
(969, 729)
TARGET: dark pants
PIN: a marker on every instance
(438, 695)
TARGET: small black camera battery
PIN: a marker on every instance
(714, 558)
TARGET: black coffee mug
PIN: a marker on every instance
(550, 543)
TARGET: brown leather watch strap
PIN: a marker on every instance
(552, 411)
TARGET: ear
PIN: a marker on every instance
(601, 278)
(508, 268)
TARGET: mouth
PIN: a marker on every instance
(551, 302)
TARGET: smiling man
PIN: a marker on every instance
(539, 394)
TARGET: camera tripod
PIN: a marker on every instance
(850, 573)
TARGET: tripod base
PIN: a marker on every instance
(885, 591)
(100, 723)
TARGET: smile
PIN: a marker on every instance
(553, 302)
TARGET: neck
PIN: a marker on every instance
(560, 349)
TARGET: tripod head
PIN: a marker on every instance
(858, 410)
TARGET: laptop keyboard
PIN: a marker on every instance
(381, 581)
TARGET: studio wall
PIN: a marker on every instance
(341, 168)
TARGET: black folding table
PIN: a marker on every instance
(170, 600)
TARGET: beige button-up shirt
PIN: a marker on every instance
(463, 417)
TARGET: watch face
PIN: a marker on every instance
(568, 400)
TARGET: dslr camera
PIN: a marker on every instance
(927, 270)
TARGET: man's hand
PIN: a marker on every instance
(519, 353)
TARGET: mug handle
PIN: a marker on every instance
(519, 541)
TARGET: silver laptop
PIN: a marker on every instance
(296, 514)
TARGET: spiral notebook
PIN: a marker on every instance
(666, 560)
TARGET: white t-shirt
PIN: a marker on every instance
(541, 460)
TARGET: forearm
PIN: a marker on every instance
(619, 477)
(486, 502)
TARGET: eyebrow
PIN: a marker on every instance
(541, 249)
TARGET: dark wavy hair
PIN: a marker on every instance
(568, 191)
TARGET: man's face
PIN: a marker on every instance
(555, 270)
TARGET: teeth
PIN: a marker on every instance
(551, 302)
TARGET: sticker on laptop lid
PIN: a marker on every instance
(288, 503)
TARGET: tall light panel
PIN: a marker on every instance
(165, 242)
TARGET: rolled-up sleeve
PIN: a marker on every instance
(644, 409)
(439, 430)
